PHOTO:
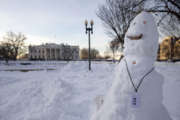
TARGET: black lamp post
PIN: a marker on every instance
(89, 30)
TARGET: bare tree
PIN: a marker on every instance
(6, 51)
(168, 16)
(114, 45)
(170, 7)
(84, 53)
(169, 26)
(16, 41)
(94, 53)
(116, 16)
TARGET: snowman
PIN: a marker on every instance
(136, 92)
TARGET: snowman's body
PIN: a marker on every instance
(141, 43)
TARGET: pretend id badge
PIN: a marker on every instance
(135, 100)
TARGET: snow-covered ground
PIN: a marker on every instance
(69, 91)
(171, 73)
(31, 65)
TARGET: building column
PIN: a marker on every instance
(50, 54)
(55, 53)
(45, 54)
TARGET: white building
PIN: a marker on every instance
(53, 52)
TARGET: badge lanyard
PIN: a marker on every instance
(141, 80)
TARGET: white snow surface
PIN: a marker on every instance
(69, 93)
(63, 94)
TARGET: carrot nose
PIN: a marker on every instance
(134, 62)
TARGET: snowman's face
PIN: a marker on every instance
(141, 37)
(138, 27)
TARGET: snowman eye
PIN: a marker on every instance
(144, 22)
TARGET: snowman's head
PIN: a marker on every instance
(141, 39)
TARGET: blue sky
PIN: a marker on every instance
(55, 21)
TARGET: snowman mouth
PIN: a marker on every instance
(135, 37)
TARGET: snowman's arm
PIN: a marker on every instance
(136, 37)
